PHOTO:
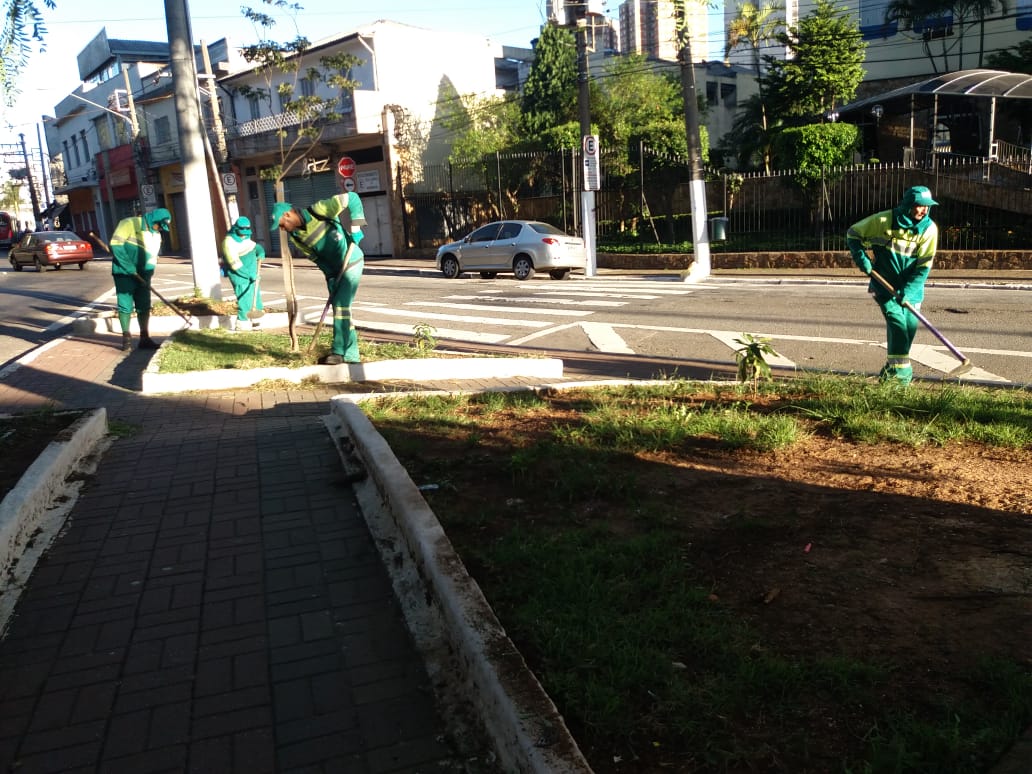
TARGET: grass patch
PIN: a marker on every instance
(216, 348)
(647, 599)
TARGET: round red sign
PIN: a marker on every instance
(346, 166)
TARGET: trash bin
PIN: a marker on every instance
(718, 229)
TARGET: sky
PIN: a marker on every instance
(53, 74)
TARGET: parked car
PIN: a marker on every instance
(50, 248)
(518, 246)
(6, 230)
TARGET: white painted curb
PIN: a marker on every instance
(417, 370)
(528, 733)
(26, 510)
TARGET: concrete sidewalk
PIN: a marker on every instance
(215, 601)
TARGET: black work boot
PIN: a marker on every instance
(331, 359)
(127, 342)
(146, 342)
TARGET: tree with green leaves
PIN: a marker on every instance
(639, 110)
(550, 94)
(282, 66)
(11, 195)
(824, 66)
(752, 27)
(23, 28)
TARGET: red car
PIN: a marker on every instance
(6, 230)
(50, 248)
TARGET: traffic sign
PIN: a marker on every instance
(592, 177)
(346, 166)
(349, 184)
(229, 182)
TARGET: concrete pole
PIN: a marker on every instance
(584, 110)
(141, 174)
(200, 222)
(32, 185)
(700, 268)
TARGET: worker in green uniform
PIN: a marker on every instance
(328, 233)
(134, 256)
(242, 257)
(902, 242)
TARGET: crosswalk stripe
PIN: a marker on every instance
(488, 308)
(567, 301)
(606, 339)
(459, 318)
(444, 333)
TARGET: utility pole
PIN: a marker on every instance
(200, 222)
(700, 268)
(32, 185)
(146, 203)
(42, 166)
(577, 16)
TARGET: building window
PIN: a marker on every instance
(347, 96)
(75, 150)
(307, 87)
(162, 132)
(728, 94)
(85, 145)
(254, 105)
(100, 125)
(711, 92)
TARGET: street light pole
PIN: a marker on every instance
(32, 186)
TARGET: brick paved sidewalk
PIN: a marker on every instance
(215, 602)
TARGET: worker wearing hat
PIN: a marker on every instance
(328, 233)
(134, 256)
(242, 257)
(902, 242)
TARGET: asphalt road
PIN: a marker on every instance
(645, 323)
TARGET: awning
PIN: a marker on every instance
(963, 83)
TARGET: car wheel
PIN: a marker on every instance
(522, 267)
(82, 265)
(488, 274)
(559, 274)
(450, 267)
(39, 265)
(15, 265)
(58, 267)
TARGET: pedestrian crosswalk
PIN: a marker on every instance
(579, 315)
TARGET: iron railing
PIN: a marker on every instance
(645, 200)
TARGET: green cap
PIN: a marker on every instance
(160, 217)
(278, 211)
(918, 195)
(242, 224)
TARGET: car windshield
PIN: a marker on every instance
(57, 236)
(547, 228)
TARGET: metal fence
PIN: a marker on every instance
(644, 200)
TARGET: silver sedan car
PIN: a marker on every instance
(518, 246)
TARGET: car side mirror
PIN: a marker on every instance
(467, 238)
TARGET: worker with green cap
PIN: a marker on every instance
(902, 242)
(328, 233)
(242, 257)
(134, 256)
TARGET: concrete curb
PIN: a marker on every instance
(448, 615)
(108, 323)
(32, 513)
(419, 369)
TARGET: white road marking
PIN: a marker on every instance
(444, 333)
(487, 308)
(462, 318)
(605, 339)
(567, 301)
